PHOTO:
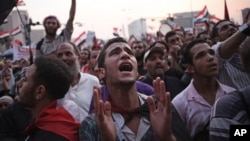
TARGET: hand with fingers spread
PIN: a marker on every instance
(103, 117)
(160, 114)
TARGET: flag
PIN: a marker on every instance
(116, 31)
(173, 24)
(20, 3)
(16, 31)
(203, 14)
(214, 19)
(80, 38)
(4, 34)
(226, 14)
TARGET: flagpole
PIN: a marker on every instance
(26, 34)
(192, 15)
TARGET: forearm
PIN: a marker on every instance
(72, 14)
(231, 45)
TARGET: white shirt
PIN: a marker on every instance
(82, 92)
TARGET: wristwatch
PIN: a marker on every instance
(245, 29)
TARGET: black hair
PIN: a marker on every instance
(51, 17)
(54, 75)
(160, 42)
(201, 33)
(169, 34)
(187, 57)
(87, 51)
(214, 32)
(101, 57)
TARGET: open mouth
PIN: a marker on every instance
(125, 67)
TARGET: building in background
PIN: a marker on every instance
(13, 20)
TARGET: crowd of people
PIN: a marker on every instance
(183, 87)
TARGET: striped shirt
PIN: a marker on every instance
(231, 72)
(193, 109)
(228, 110)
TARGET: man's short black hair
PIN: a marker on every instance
(187, 57)
(54, 75)
(169, 34)
(160, 42)
(101, 57)
(201, 33)
(214, 32)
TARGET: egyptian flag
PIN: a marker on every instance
(16, 31)
(56, 120)
(203, 14)
(4, 34)
(80, 39)
(214, 19)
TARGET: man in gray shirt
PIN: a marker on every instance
(48, 45)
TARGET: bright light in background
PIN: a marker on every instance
(102, 15)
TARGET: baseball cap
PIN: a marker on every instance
(154, 49)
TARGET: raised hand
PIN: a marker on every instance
(160, 114)
(103, 117)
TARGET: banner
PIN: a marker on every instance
(22, 52)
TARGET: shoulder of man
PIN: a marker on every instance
(39, 44)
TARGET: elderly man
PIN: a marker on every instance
(82, 84)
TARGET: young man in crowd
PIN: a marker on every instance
(119, 117)
(48, 45)
(139, 49)
(228, 41)
(194, 103)
(175, 44)
(233, 108)
(155, 64)
(43, 83)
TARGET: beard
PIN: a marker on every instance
(28, 100)
(75, 68)
(50, 33)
